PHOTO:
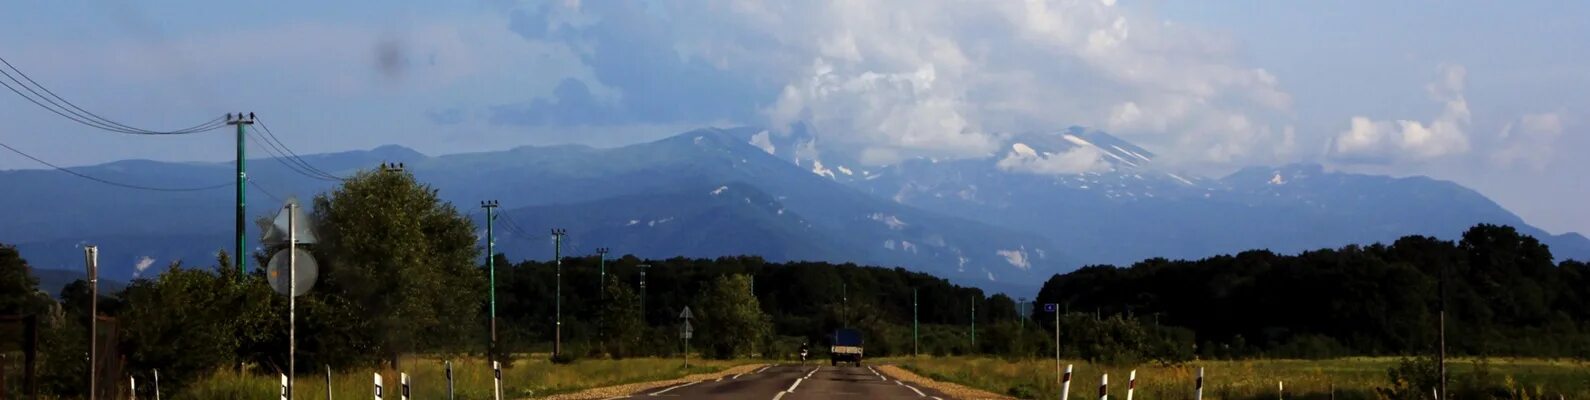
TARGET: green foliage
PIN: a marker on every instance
(19, 289)
(729, 320)
(183, 322)
(398, 270)
(624, 326)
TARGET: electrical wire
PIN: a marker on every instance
(114, 183)
(77, 114)
(266, 192)
(271, 136)
(280, 158)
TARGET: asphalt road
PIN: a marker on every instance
(796, 382)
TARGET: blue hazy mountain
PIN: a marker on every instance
(1123, 207)
(702, 193)
(989, 221)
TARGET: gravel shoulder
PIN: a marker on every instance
(626, 389)
(954, 390)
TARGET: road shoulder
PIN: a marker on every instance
(620, 391)
(952, 389)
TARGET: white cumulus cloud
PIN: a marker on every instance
(1529, 141)
(1075, 160)
(1410, 140)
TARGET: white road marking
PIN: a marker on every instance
(880, 376)
(793, 385)
(763, 369)
(616, 398)
(779, 395)
(673, 387)
(736, 376)
(918, 392)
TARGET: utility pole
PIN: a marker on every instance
(1441, 356)
(91, 260)
(601, 265)
(601, 295)
(844, 304)
(557, 256)
(916, 344)
(292, 300)
(974, 325)
(643, 268)
(242, 180)
(491, 266)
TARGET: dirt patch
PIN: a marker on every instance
(951, 389)
(627, 389)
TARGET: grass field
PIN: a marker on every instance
(1347, 378)
(528, 378)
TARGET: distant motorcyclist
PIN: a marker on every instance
(804, 352)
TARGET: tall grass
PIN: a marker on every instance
(532, 377)
(1347, 378)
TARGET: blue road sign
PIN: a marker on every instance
(1051, 307)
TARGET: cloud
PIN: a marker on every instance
(1075, 160)
(1370, 141)
(1529, 141)
(935, 78)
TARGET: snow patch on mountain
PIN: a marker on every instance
(817, 168)
(719, 190)
(845, 171)
(1277, 179)
(1016, 258)
(893, 222)
(1023, 158)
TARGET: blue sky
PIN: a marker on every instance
(1489, 94)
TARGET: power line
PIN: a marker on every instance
(266, 192)
(113, 183)
(271, 136)
(77, 114)
(281, 158)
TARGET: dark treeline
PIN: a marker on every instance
(1504, 297)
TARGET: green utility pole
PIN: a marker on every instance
(491, 265)
(916, 346)
(242, 179)
(974, 324)
(557, 255)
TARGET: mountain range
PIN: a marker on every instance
(1046, 202)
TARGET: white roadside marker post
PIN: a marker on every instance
(1104, 387)
(284, 387)
(1065, 384)
(449, 380)
(403, 382)
(496, 376)
(1199, 395)
(378, 391)
(1131, 384)
(132, 388)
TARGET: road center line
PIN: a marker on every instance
(793, 385)
(673, 387)
(779, 395)
(736, 376)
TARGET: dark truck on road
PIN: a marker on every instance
(846, 347)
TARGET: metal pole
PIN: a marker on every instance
(157, 384)
(916, 344)
(643, 268)
(973, 349)
(292, 301)
(557, 255)
(328, 382)
(1057, 345)
(91, 259)
(491, 266)
(1441, 356)
(242, 179)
